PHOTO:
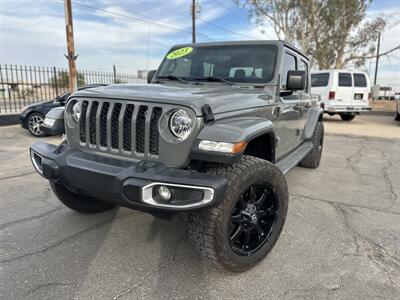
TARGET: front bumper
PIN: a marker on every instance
(126, 183)
(23, 121)
(346, 108)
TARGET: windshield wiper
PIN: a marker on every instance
(216, 78)
(172, 77)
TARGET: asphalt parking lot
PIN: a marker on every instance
(341, 239)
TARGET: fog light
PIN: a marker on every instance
(164, 192)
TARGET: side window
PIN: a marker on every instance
(289, 63)
(319, 79)
(345, 79)
(360, 80)
(304, 66)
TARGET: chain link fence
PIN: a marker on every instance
(24, 85)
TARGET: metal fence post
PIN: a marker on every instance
(55, 80)
(115, 74)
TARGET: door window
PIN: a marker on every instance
(289, 63)
(320, 79)
(304, 66)
(345, 79)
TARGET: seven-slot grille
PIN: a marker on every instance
(123, 127)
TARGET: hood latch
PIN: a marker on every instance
(208, 115)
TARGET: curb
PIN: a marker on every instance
(6, 120)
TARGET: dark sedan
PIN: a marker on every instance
(32, 116)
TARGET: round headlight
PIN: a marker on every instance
(76, 112)
(181, 124)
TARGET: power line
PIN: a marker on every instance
(236, 14)
(31, 24)
(231, 9)
(226, 30)
(137, 19)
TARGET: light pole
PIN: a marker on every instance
(377, 57)
(194, 9)
(71, 57)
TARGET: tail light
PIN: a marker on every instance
(331, 96)
(369, 96)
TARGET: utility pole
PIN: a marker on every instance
(71, 57)
(193, 21)
(377, 57)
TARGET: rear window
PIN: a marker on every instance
(360, 80)
(320, 79)
(345, 79)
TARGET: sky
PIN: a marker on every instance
(135, 35)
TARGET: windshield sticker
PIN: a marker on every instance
(179, 53)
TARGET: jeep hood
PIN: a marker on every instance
(221, 98)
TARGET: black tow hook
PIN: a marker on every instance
(143, 165)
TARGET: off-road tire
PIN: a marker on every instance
(347, 117)
(313, 158)
(397, 117)
(78, 202)
(208, 228)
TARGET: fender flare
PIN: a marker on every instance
(231, 131)
(314, 115)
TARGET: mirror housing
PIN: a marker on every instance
(150, 75)
(296, 80)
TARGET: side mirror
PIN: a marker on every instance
(296, 80)
(150, 75)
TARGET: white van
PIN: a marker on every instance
(342, 91)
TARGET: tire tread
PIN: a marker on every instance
(202, 225)
(313, 158)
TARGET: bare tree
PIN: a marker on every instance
(334, 33)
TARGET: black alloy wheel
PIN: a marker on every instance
(253, 219)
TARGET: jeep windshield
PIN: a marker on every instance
(224, 64)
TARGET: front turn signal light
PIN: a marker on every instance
(239, 147)
(223, 147)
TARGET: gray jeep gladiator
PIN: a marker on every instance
(210, 136)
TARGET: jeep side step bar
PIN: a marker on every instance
(290, 161)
